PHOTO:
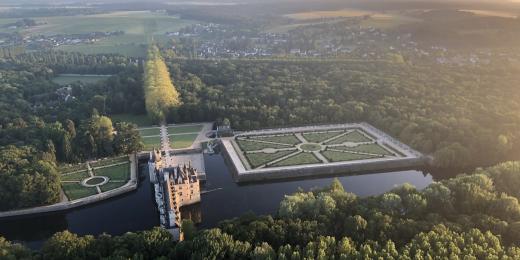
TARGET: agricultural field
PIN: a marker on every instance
(373, 19)
(259, 150)
(313, 15)
(138, 28)
(65, 79)
(492, 13)
(78, 182)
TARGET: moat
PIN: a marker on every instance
(137, 211)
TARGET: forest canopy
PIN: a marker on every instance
(45, 124)
(473, 216)
(463, 116)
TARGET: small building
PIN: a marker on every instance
(224, 131)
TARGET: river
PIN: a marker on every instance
(136, 211)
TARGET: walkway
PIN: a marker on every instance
(92, 175)
(165, 146)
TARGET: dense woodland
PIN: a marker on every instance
(473, 216)
(44, 124)
(463, 116)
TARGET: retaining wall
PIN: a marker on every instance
(64, 206)
(410, 158)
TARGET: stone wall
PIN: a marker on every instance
(327, 170)
(63, 206)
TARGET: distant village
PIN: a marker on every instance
(321, 40)
(220, 41)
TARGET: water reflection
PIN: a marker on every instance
(137, 211)
(232, 200)
(134, 211)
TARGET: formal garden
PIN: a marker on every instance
(310, 147)
(91, 178)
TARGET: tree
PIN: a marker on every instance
(161, 97)
(11, 251)
(127, 139)
(65, 245)
(188, 229)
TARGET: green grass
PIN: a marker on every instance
(299, 159)
(319, 137)
(365, 148)
(64, 79)
(284, 139)
(139, 120)
(258, 159)
(389, 21)
(333, 156)
(72, 168)
(117, 173)
(77, 176)
(182, 141)
(75, 191)
(109, 161)
(151, 142)
(184, 129)
(150, 132)
(247, 145)
(108, 46)
(354, 137)
(132, 23)
(94, 181)
(138, 27)
(310, 147)
(111, 186)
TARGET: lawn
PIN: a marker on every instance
(353, 137)
(108, 45)
(64, 79)
(139, 120)
(333, 156)
(182, 141)
(152, 142)
(116, 173)
(299, 159)
(77, 176)
(283, 139)
(365, 148)
(75, 191)
(111, 186)
(258, 159)
(184, 129)
(319, 137)
(247, 145)
(72, 168)
(109, 161)
(150, 131)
